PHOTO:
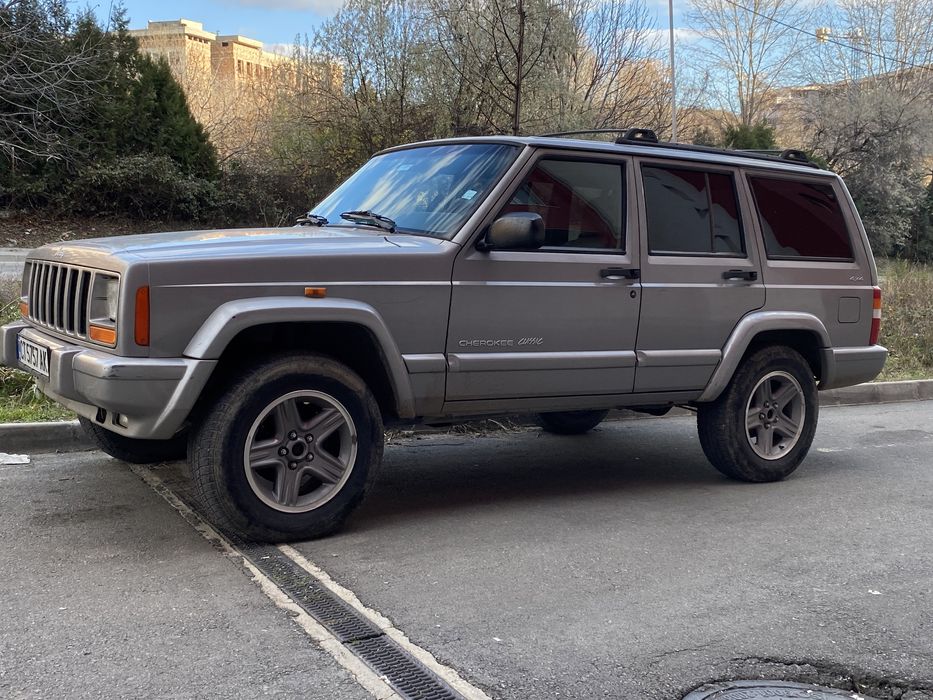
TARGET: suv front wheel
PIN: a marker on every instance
(761, 427)
(133, 450)
(289, 450)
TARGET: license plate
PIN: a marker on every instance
(33, 356)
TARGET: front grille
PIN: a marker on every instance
(60, 297)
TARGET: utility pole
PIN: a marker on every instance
(670, 12)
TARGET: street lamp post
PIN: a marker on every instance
(670, 12)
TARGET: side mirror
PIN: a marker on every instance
(521, 230)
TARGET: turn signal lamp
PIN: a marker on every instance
(142, 316)
(102, 334)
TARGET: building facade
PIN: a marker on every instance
(230, 81)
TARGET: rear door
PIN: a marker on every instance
(559, 321)
(700, 270)
(811, 264)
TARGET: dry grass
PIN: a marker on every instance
(907, 319)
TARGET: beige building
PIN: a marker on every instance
(230, 80)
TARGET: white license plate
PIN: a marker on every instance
(33, 356)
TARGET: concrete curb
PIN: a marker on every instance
(879, 392)
(33, 438)
(68, 436)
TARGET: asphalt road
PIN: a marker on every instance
(618, 564)
(11, 263)
(107, 593)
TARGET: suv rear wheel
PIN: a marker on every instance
(289, 450)
(762, 425)
(571, 422)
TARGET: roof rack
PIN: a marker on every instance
(649, 137)
(628, 135)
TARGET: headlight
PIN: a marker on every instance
(112, 294)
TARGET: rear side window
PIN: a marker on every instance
(691, 212)
(800, 220)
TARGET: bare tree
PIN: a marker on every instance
(872, 38)
(612, 73)
(869, 110)
(749, 47)
(43, 79)
(506, 53)
(381, 47)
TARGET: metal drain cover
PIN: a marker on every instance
(771, 690)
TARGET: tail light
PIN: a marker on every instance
(875, 316)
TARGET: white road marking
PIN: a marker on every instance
(469, 691)
(363, 675)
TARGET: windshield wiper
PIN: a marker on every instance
(312, 220)
(370, 218)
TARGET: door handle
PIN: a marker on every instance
(749, 275)
(619, 273)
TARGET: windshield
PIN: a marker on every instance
(429, 190)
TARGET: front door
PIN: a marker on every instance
(561, 320)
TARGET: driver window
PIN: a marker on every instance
(582, 203)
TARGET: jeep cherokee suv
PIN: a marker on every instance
(457, 278)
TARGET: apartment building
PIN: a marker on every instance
(228, 79)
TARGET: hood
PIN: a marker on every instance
(238, 243)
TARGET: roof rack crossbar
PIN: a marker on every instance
(627, 135)
(650, 138)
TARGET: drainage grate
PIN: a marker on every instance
(340, 619)
(407, 676)
(770, 690)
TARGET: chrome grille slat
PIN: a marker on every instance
(44, 292)
(33, 282)
(84, 303)
(59, 297)
(57, 300)
(50, 296)
(34, 292)
(68, 306)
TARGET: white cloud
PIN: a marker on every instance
(318, 7)
(280, 48)
(682, 35)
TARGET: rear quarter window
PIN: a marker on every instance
(800, 220)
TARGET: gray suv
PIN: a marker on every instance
(461, 278)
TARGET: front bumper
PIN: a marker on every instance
(136, 397)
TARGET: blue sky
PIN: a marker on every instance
(269, 21)
(275, 22)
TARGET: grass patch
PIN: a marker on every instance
(20, 400)
(907, 319)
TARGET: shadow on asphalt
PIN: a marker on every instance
(632, 462)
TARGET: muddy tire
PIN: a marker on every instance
(288, 451)
(132, 450)
(762, 425)
(571, 422)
